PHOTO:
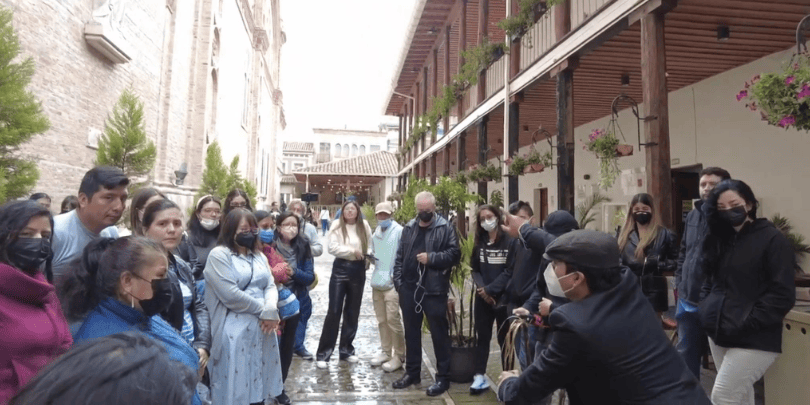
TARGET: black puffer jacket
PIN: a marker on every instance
(180, 272)
(751, 291)
(441, 244)
(661, 256)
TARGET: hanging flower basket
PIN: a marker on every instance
(534, 168)
(604, 145)
(782, 98)
(624, 150)
(485, 173)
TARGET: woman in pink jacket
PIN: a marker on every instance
(34, 331)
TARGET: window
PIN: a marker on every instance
(362, 149)
(324, 147)
(375, 148)
(337, 150)
(354, 150)
(346, 150)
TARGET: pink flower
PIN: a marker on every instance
(742, 94)
(789, 80)
(787, 121)
(804, 92)
(755, 79)
(753, 106)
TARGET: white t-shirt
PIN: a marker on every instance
(325, 214)
(70, 236)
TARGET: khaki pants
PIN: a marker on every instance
(392, 334)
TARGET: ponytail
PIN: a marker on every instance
(78, 288)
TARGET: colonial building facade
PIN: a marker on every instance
(206, 70)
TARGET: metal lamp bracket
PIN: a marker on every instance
(543, 131)
(614, 115)
(801, 39)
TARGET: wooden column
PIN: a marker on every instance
(514, 145)
(461, 159)
(462, 46)
(424, 101)
(656, 108)
(446, 120)
(432, 169)
(482, 154)
(434, 90)
(483, 33)
(446, 161)
(514, 48)
(400, 130)
(565, 141)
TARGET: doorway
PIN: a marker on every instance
(685, 184)
(541, 205)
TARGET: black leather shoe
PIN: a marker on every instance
(405, 382)
(438, 389)
(283, 399)
(304, 354)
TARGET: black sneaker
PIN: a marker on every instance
(283, 399)
(304, 354)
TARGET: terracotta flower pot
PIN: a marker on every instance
(534, 168)
(624, 150)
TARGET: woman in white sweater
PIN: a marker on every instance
(349, 242)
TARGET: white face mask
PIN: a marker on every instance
(209, 224)
(553, 282)
(489, 224)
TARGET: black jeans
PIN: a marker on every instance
(434, 307)
(286, 344)
(345, 296)
(485, 314)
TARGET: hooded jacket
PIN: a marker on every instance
(494, 262)
(558, 223)
(752, 290)
(441, 245)
(689, 274)
(384, 244)
(34, 331)
(608, 348)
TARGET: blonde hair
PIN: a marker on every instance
(630, 225)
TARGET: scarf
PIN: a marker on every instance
(288, 253)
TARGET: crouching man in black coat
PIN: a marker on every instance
(608, 346)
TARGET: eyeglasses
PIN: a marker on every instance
(238, 205)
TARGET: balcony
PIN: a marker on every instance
(323, 157)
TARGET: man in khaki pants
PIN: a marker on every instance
(384, 244)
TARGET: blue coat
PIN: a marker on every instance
(112, 316)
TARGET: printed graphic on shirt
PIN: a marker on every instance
(493, 256)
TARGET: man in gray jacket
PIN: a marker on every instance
(689, 274)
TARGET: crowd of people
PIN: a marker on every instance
(213, 310)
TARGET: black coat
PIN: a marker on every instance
(536, 240)
(195, 247)
(751, 291)
(180, 272)
(689, 276)
(441, 244)
(660, 256)
(609, 348)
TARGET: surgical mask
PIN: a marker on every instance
(161, 297)
(289, 233)
(209, 224)
(734, 216)
(246, 239)
(385, 224)
(266, 235)
(642, 217)
(489, 224)
(28, 254)
(553, 282)
(425, 216)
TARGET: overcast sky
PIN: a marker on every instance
(339, 60)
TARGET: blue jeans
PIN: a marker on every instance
(301, 331)
(325, 226)
(692, 340)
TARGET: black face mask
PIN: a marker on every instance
(161, 297)
(734, 216)
(425, 216)
(28, 254)
(246, 239)
(642, 218)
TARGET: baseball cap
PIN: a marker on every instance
(586, 248)
(385, 207)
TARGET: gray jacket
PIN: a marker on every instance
(689, 275)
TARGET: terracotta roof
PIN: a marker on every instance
(299, 146)
(381, 163)
(288, 179)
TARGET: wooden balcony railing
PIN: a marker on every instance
(495, 76)
(581, 10)
(537, 41)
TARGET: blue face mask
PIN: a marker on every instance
(266, 235)
(385, 224)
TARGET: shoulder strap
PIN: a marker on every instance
(230, 257)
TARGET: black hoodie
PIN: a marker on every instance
(751, 291)
(494, 262)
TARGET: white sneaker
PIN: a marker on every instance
(379, 359)
(479, 385)
(321, 364)
(352, 359)
(392, 365)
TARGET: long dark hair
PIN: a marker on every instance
(481, 235)
(14, 217)
(630, 225)
(226, 209)
(230, 225)
(720, 232)
(299, 243)
(39, 196)
(139, 203)
(105, 370)
(97, 275)
(69, 204)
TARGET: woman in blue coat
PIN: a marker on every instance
(122, 286)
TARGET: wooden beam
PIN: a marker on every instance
(446, 121)
(434, 90)
(565, 141)
(462, 46)
(482, 152)
(514, 48)
(483, 33)
(656, 104)
(514, 145)
(433, 169)
(446, 161)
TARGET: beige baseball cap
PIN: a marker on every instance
(385, 207)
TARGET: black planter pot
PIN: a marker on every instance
(462, 364)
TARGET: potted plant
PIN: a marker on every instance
(782, 98)
(460, 315)
(488, 172)
(537, 162)
(516, 165)
(799, 247)
(605, 146)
